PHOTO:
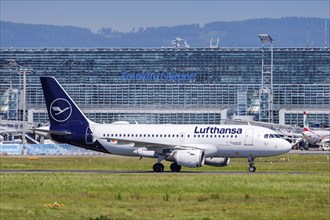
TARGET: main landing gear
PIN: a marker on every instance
(251, 163)
(175, 167)
(159, 167)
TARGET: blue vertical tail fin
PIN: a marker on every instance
(68, 124)
(62, 110)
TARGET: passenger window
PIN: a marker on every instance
(266, 136)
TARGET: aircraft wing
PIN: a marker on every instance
(123, 141)
(209, 149)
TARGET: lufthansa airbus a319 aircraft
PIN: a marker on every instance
(184, 145)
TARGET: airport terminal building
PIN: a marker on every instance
(170, 85)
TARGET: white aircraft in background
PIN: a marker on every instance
(184, 145)
(316, 137)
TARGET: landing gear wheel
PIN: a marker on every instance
(158, 167)
(175, 167)
(251, 163)
(252, 168)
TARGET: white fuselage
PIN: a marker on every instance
(215, 140)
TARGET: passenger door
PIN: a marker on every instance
(248, 138)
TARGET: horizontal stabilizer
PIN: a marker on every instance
(51, 131)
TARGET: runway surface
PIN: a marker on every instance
(142, 172)
(150, 172)
(311, 152)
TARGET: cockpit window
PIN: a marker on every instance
(266, 136)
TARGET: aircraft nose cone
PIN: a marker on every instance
(285, 147)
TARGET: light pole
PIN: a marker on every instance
(13, 101)
(24, 72)
(266, 90)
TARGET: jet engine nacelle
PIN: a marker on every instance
(189, 158)
(217, 161)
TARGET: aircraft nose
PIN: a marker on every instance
(285, 146)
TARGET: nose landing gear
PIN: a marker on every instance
(251, 163)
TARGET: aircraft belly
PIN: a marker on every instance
(120, 149)
(243, 151)
(229, 151)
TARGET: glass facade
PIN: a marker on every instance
(313, 120)
(204, 80)
(316, 118)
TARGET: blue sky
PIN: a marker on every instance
(125, 15)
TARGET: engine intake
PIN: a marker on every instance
(189, 158)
